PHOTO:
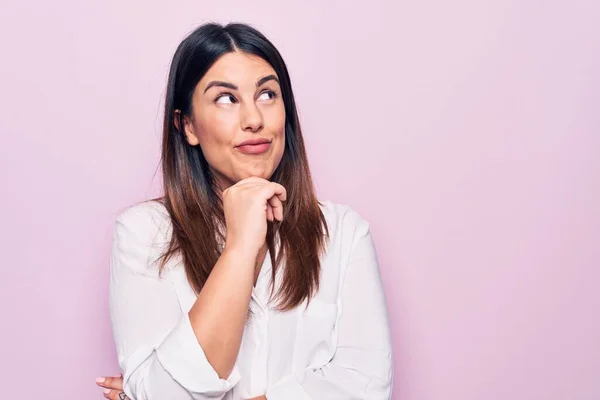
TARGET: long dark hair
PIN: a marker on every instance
(191, 195)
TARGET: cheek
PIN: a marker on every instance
(278, 125)
(216, 130)
(276, 121)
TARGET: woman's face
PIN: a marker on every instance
(237, 100)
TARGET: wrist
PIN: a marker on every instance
(240, 252)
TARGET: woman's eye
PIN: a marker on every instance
(225, 99)
(267, 95)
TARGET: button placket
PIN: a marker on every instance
(260, 311)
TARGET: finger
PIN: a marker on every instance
(269, 212)
(277, 207)
(251, 184)
(254, 182)
(277, 200)
(110, 382)
(115, 394)
(272, 189)
(279, 190)
(251, 180)
(245, 187)
(246, 182)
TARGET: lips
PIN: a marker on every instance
(254, 142)
(254, 146)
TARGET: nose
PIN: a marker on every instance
(251, 118)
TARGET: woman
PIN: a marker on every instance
(238, 283)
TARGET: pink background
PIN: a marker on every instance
(466, 132)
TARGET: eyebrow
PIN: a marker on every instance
(231, 86)
(266, 79)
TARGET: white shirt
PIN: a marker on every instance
(337, 348)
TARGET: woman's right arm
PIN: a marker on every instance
(219, 314)
(163, 352)
(157, 348)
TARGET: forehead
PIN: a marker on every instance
(238, 68)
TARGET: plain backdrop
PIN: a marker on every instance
(466, 132)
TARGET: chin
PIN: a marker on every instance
(247, 174)
(259, 174)
(260, 171)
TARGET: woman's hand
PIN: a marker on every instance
(113, 387)
(248, 205)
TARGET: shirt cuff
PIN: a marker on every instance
(287, 389)
(182, 357)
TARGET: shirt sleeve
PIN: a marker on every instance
(156, 345)
(362, 366)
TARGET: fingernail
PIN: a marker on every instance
(106, 391)
(100, 380)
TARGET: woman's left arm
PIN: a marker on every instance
(362, 367)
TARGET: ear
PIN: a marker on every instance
(188, 127)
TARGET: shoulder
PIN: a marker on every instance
(144, 219)
(142, 232)
(150, 211)
(343, 220)
(349, 237)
